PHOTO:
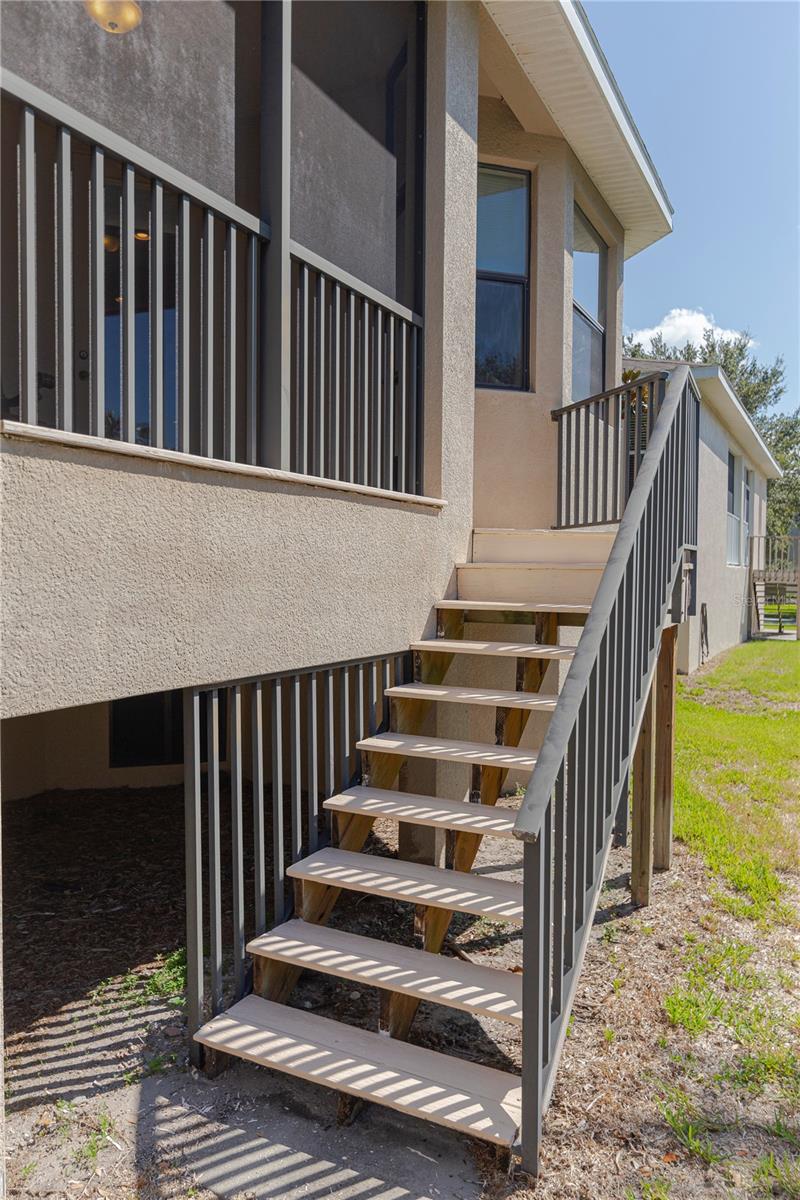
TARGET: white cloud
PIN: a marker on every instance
(681, 325)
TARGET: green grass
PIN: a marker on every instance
(167, 982)
(737, 777)
(778, 1176)
(690, 1126)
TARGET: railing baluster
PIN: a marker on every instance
(312, 783)
(303, 371)
(278, 850)
(29, 354)
(128, 314)
(253, 273)
(296, 736)
(415, 422)
(344, 726)
(209, 332)
(97, 419)
(317, 441)
(329, 736)
(364, 474)
(214, 851)
(257, 743)
(350, 421)
(376, 446)
(157, 313)
(335, 417)
(402, 406)
(229, 421)
(64, 275)
(193, 868)
(237, 839)
(184, 315)
(388, 437)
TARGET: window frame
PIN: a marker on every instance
(504, 277)
(602, 284)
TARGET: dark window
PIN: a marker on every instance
(731, 483)
(147, 731)
(589, 277)
(502, 304)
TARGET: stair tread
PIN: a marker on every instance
(534, 566)
(416, 883)
(499, 649)
(522, 606)
(474, 1099)
(532, 701)
(479, 754)
(448, 981)
(425, 810)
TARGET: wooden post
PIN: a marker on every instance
(665, 749)
(643, 804)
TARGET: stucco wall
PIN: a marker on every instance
(123, 576)
(723, 588)
(181, 85)
(515, 436)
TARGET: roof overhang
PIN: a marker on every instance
(716, 391)
(557, 49)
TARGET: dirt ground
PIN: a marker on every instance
(96, 1062)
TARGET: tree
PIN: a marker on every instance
(759, 386)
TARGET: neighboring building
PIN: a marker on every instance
(301, 307)
(732, 498)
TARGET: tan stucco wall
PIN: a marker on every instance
(723, 588)
(515, 437)
(122, 576)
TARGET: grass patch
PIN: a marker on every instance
(99, 1138)
(167, 982)
(690, 1126)
(778, 1176)
(737, 779)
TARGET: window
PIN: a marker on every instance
(734, 510)
(502, 298)
(748, 513)
(589, 275)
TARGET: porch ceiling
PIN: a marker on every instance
(560, 55)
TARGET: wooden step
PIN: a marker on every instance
(425, 810)
(461, 1095)
(510, 606)
(476, 754)
(529, 701)
(494, 649)
(415, 883)
(448, 981)
(552, 584)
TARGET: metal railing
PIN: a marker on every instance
(566, 818)
(601, 443)
(138, 290)
(355, 379)
(139, 299)
(260, 756)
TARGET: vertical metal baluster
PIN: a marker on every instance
(372, 698)
(385, 684)
(597, 410)
(533, 940)
(208, 329)
(350, 412)
(329, 740)
(29, 353)
(364, 475)
(237, 840)
(184, 324)
(303, 369)
(214, 856)
(193, 867)
(360, 701)
(560, 471)
(229, 426)
(253, 272)
(577, 415)
(312, 785)
(295, 732)
(571, 791)
(414, 418)
(606, 432)
(257, 744)
(569, 468)
(559, 851)
(402, 403)
(388, 436)
(278, 864)
(546, 893)
(97, 422)
(157, 313)
(587, 422)
(344, 727)
(128, 317)
(377, 401)
(335, 406)
(317, 465)
(64, 275)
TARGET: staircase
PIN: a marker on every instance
(531, 580)
(604, 694)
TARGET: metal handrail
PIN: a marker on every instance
(528, 825)
(630, 386)
(119, 147)
(353, 283)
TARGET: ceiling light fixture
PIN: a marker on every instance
(142, 235)
(114, 16)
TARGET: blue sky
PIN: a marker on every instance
(713, 87)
